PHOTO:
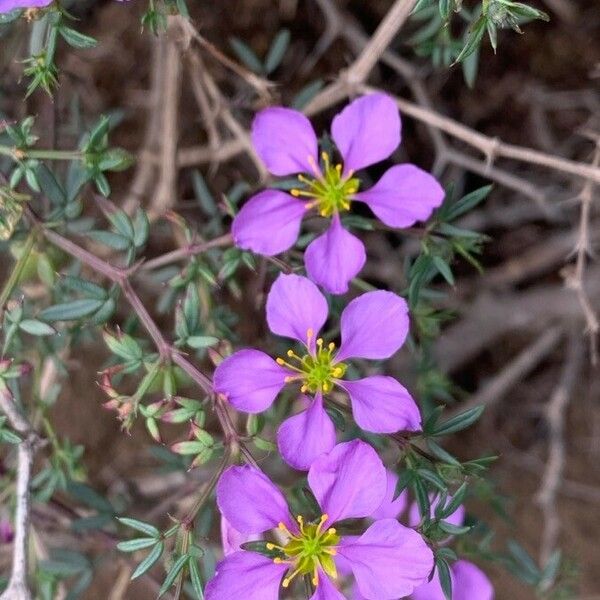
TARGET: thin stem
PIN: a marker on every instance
(17, 269)
(185, 252)
(19, 154)
(188, 520)
(165, 349)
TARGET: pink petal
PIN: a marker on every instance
(388, 561)
(250, 380)
(349, 482)
(285, 141)
(246, 575)
(333, 259)
(374, 326)
(382, 405)
(326, 590)
(404, 195)
(469, 582)
(250, 501)
(269, 223)
(366, 131)
(305, 436)
(294, 306)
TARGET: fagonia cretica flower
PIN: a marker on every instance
(373, 326)
(468, 581)
(365, 132)
(388, 560)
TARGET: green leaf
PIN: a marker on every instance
(474, 39)
(453, 529)
(264, 445)
(527, 12)
(421, 496)
(445, 579)
(457, 499)
(307, 93)
(174, 571)
(35, 327)
(201, 341)
(70, 311)
(277, 50)
(76, 39)
(8, 436)
(195, 578)
(460, 421)
(444, 268)
(140, 526)
(246, 55)
(149, 561)
(135, 545)
(189, 447)
(50, 185)
(85, 287)
(468, 202)
(432, 478)
(110, 239)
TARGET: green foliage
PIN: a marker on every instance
(273, 58)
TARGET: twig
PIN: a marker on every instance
(577, 280)
(513, 372)
(491, 316)
(262, 86)
(18, 588)
(358, 72)
(166, 350)
(555, 418)
(185, 252)
(145, 167)
(493, 147)
(167, 183)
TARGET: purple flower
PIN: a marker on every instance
(388, 560)
(373, 326)
(8, 5)
(365, 132)
(469, 582)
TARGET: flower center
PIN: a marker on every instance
(317, 371)
(305, 552)
(329, 190)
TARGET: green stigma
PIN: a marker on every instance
(318, 371)
(305, 552)
(329, 190)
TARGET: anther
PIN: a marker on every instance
(294, 192)
(290, 353)
(280, 361)
(320, 342)
(331, 346)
